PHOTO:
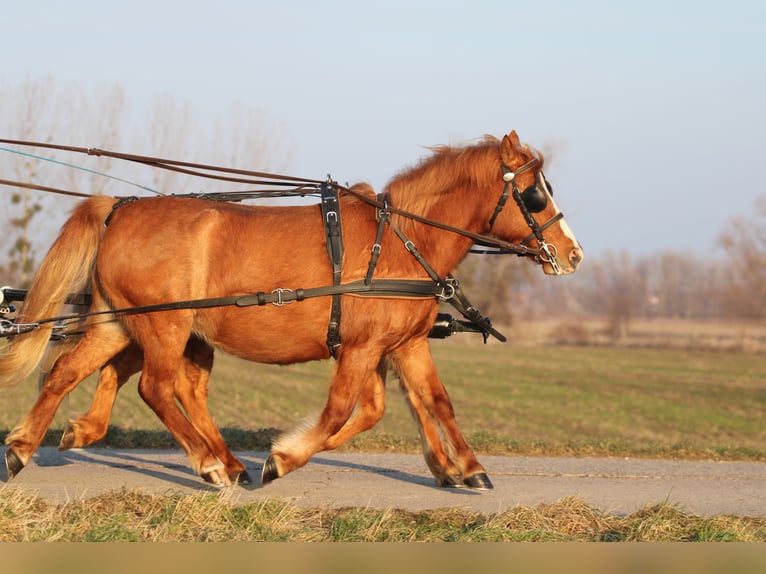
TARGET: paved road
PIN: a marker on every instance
(617, 486)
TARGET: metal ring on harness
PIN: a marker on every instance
(447, 287)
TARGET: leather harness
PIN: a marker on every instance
(445, 289)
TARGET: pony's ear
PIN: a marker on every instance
(509, 146)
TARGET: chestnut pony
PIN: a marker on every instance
(169, 249)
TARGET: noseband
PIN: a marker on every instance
(548, 251)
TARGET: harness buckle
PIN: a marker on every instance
(280, 301)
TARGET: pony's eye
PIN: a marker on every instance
(534, 198)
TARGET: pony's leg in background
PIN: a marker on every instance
(99, 344)
(369, 409)
(355, 366)
(92, 426)
(163, 338)
(447, 454)
(191, 389)
(190, 385)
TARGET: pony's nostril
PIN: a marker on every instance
(575, 256)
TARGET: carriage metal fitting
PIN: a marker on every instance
(446, 325)
(10, 329)
(280, 301)
(6, 309)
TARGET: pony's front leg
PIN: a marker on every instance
(369, 409)
(356, 367)
(96, 347)
(447, 454)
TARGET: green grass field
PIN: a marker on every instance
(547, 400)
(551, 400)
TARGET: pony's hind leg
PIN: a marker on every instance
(447, 454)
(93, 425)
(97, 346)
(191, 389)
(163, 340)
(354, 368)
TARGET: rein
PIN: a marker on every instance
(444, 289)
(301, 187)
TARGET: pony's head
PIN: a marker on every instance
(541, 225)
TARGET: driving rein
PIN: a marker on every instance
(445, 289)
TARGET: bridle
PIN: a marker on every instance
(547, 251)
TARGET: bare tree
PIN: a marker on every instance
(172, 135)
(682, 285)
(27, 113)
(498, 285)
(615, 286)
(744, 242)
(249, 139)
(100, 122)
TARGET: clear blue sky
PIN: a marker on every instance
(655, 109)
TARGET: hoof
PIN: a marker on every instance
(270, 471)
(453, 481)
(214, 477)
(13, 463)
(241, 477)
(479, 481)
(67, 439)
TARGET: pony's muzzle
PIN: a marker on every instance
(575, 256)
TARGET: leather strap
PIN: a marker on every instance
(405, 288)
(334, 239)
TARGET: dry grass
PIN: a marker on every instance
(747, 336)
(131, 517)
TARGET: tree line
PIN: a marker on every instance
(622, 286)
(39, 110)
(619, 286)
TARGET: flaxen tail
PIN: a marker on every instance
(67, 268)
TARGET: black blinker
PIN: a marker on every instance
(534, 198)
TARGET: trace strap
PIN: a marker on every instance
(405, 288)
